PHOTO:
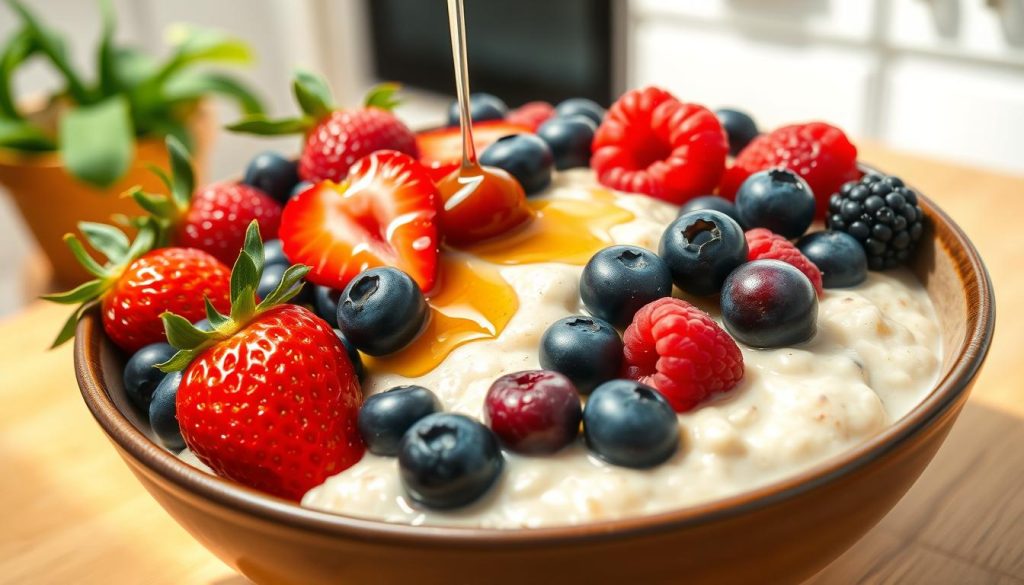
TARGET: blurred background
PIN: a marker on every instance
(943, 78)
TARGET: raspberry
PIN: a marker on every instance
(652, 143)
(682, 352)
(818, 152)
(763, 244)
(531, 114)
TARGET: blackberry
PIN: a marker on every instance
(882, 214)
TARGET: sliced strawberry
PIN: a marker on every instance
(441, 149)
(384, 214)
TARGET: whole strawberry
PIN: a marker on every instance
(212, 219)
(268, 398)
(136, 285)
(337, 138)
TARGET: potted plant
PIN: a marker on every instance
(64, 158)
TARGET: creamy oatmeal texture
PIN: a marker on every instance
(875, 355)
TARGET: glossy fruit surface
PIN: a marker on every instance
(714, 203)
(141, 375)
(441, 149)
(273, 174)
(524, 156)
(531, 114)
(776, 199)
(768, 303)
(381, 311)
(346, 136)
(533, 412)
(739, 126)
(619, 280)
(629, 424)
(569, 139)
(386, 416)
(273, 251)
(218, 216)
(762, 244)
(839, 257)
(163, 412)
(351, 350)
(480, 204)
(883, 215)
(586, 350)
(701, 248)
(581, 107)
(482, 107)
(448, 460)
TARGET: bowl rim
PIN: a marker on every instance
(949, 390)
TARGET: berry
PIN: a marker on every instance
(299, 188)
(533, 412)
(821, 154)
(482, 107)
(525, 157)
(764, 245)
(325, 304)
(630, 424)
(269, 399)
(480, 204)
(141, 375)
(353, 353)
(882, 214)
(581, 107)
(381, 311)
(701, 248)
(531, 114)
(681, 351)
(652, 143)
(384, 214)
(714, 203)
(769, 303)
(441, 149)
(271, 278)
(839, 257)
(273, 174)
(218, 215)
(776, 199)
(448, 460)
(739, 127)
(163, 412)
(586, 350)
(273, 251)
(569, 139)
(386, 416)
(619, 280)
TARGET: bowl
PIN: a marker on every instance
(780, 533)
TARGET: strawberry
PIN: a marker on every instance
(385, 213)
(441, 149)
(651, 143)
(531, 114)
(212, 219)
(136, 285)
(336, 138)
(268, 398)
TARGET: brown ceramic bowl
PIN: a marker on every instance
(780, 533)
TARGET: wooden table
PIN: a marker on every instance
(72, 513)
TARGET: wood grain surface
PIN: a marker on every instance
(72, 513)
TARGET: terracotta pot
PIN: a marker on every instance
(779, 533)
(52, 202)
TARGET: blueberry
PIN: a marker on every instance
(768, 303)
(739, 127)
(140, 374)
(353, 353)
(203, 325)
(714, 203)
(569, 139)
(581, 107)
(776, 199)
(300, 187)
(325, 304)
(273, 252)
(381, 311)
(385, 417)
(525, 157)
(619, 280)
(271, 277)
(163, 415)
(629, 424)
(482, 107)
(586, 350)
(701, 248)
(273, 174)
(448, 460)
(838, 255)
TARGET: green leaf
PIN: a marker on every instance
(244, 306)
(183, 180)
(291, 284)
(84, 292)
(68, 330)
(194, 44)
(105, 238)
(22, 135)
(18, 48)
(144, 240)
(192, 85)
(178, 361)
(253, 246)
(312, 93)
(106, 56)
(383, 96)
(132, 66)
(263, 126)
(160, 174)
(53, 46)
(83, 257)
(215, 317)
(156, 205)
(243, 275)
(182, 334)
(97, 142)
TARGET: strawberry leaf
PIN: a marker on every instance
(83, 257)
(105, 238)
(244, 275)
(183, 181)
(157, 205)
(253, 246)
(263, 126)
(215, 317)
(244, 306)
(178, 361)
(182, 334)
(97, 143)
(312, 93)
(68, 330)
(78, 295)
(383, 96)
(291, 284)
